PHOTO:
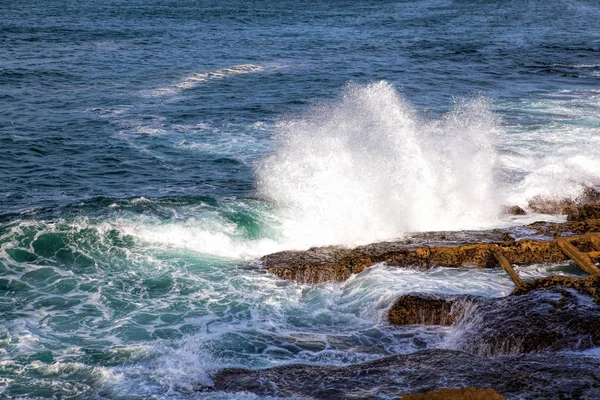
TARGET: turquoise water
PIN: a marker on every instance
(151, 152)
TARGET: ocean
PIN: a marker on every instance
(152, 151)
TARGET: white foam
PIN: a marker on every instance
(368, 168)
(197, 78)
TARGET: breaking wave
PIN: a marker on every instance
(369, 168)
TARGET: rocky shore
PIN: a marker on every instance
(512, 347)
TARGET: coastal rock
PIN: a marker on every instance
(531, 376)
(585, 212)
(422, 309)
(530, 244)
(469, 393)
(589, 285)
(548, 314)
(552, 319)
(513, 210)
(318, 265)
(552, 206)
(557, 206)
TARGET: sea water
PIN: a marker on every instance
(151, 152)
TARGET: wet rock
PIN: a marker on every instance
(337, 264)
(530, 244)
(532, 376)
(548, 314)
(587, 211)
(513, 210)
(552, 206)
(469, 393)
(422, 309)
(557, 206)
(553, 319)
(589, 285)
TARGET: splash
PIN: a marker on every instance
(369, 168)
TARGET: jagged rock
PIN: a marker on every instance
(469, 393)
(556, 205)
(548, 314)
(337, 264)
(448, 249)
(585, 212)
(513, 210)
(552, 206)
(531, 376)
(589, 285)
(552, 319)
(423, 309)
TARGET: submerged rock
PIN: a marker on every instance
(533, 376)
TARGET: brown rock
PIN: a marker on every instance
(589, 285)
(513, 210)
(420, 309)
(587, 211)
(555, 205)
(469, 393)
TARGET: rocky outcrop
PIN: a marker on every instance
(427, 309)
(589, 285)
(548, 314)
(554, 319)
(532, 376)
(469, 393)
(583, 213)
(324, 264)
(556, 206)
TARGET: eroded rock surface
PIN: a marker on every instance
(530, 244)
(427, 309)
(533, 376)
(469, 393)
(324, 264)
(548, 314)
(554, 319)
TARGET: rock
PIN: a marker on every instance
(513, 210)
(337, 264)
(548, 314)
(549, 205)
(587, 211)
(531, 376)
(554, 319)
(447, 249)
(589, 285)
(556, 205)
(469, 393)
(422, 309)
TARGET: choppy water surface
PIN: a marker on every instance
(151, 151)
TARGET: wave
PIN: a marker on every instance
(199, 77)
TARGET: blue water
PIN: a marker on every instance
(151, 151)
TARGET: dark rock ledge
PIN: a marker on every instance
(532, 376)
